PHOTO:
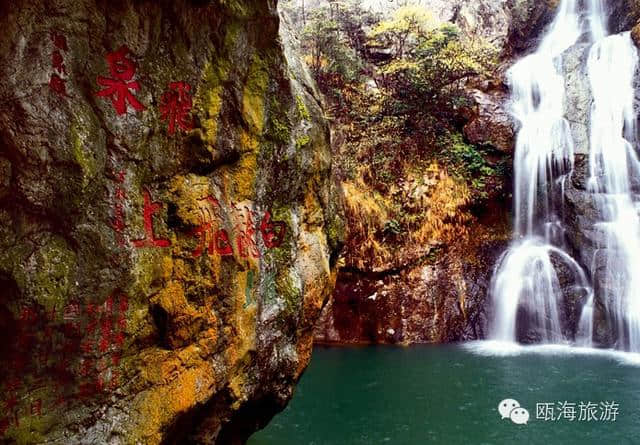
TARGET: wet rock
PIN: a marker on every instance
(623, 14)
(528, 21)
(442, 298)
(604, 333)
(578, 96)
(574, 297)
(635, 34)
(491, 124)
(581, 212)
(168, 230)
(579, 175)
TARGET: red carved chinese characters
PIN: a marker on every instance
(118, 88)
(106, 338)
(85, 342)
(212, 239)
(150, 208)
(175, 106)
(150, 240)
(245, 234)
(272, 232)
(4, 426)
(215, 240)
(59, 41)
(245, 239)
(58, 62)
(36, 408)
(57, 83)
(102, 342)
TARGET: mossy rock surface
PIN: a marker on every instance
(161, 265)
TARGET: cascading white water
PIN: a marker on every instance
(525, 278)
(536, 287)
(613, 164)
(597, 20)
(544, 145)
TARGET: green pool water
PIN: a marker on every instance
(450, 395)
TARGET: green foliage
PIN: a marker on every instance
(279, 130)
(466, 162)
(404, 31)
(418, 66)
(302, 108)
(302, 141)
(320, 39)
(328, 50)
(392, 227)
(428, 76)
(466, 155)
(396, 86)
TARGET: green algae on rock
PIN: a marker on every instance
(166, 283)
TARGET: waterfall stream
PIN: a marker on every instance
(529, 294)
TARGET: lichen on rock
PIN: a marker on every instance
(164, 265)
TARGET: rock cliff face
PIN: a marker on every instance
(441, 294)
(513, 26)
(438, 293)
(587, 243)
(441, 297)
(168, 230)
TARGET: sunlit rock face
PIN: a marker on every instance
(510, 25)
(168, 230)
(440, 298)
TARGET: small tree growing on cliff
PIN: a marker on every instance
(430, 65)
(404, 31)
(328, 50)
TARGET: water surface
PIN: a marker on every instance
(450, 395)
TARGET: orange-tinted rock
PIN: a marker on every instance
(161, 271)
(635, 34)
(440, 299)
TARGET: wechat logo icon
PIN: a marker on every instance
(511, 409)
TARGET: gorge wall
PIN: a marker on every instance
(168, 231)
(438, 291)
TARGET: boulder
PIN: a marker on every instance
(490, 122)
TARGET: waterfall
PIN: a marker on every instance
(526, 277)
(597, 20)
(527, 293)
(613, 164)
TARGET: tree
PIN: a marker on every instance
(430, 67)
(404, 31)
(329, 53)
(353, 21)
